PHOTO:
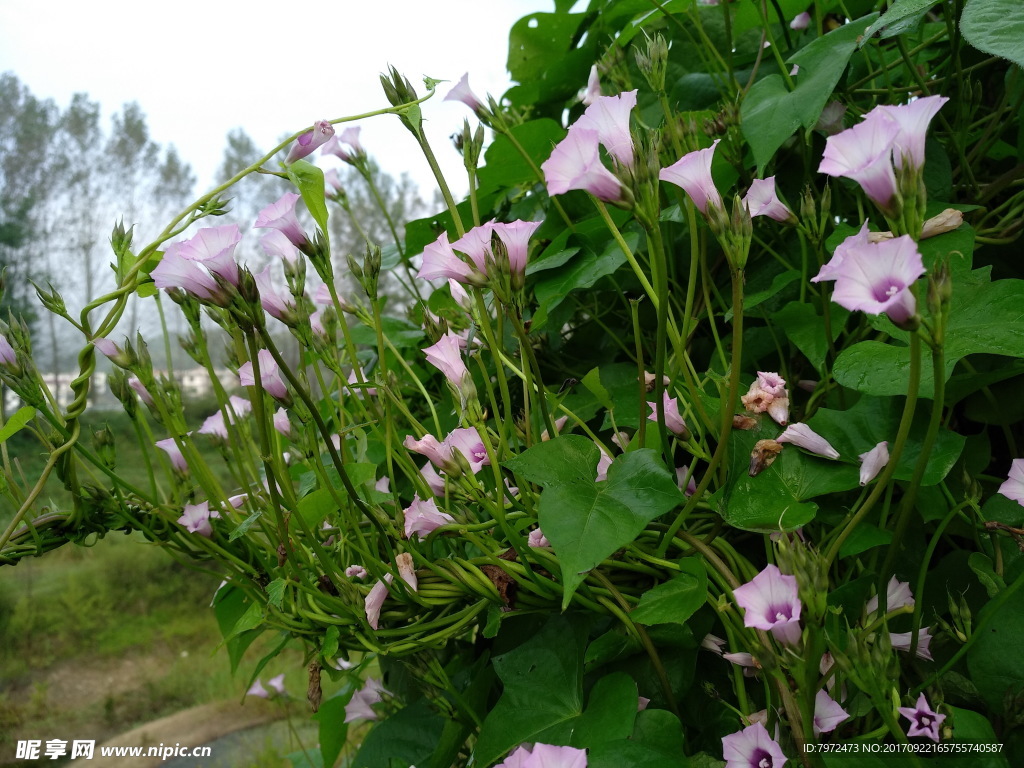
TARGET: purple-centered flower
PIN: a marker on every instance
(864, 153)
(281, 216)
(462, 92)
(270, 376)
(761, 200)
(360, 706)
(692, 172)
(467, 442)
(804, 437)
(575, 163)
(276, 243)
(833, 269)
(768, 393)
(174, 454)
(752, 747)
(770, 601)
(673, 421)
(214, 248)
(516, 237)
(827, 713)
(175, 271)
(593, 91)
(196, 519)
(7, 354)
(900, 641)
(274, 303)
(872, 462)
(924, 721)
(545, 756)
(441, 261)
(422, 517)
(310, 141)
(800, 21)
(897, 595)
(1013, 486)
(876, 278)
(537, 539)
(446, 356)
(913, 120)
(433, 449)
(609, 117)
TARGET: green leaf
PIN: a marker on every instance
(779, 282)
(767, 118)
(586, 521)
(981, 564)
(309, 180)
(806, 329)
(660, 730)
(329, 645)
(991, 659)
(901, 16)
(333, 729)
(505, 166)
(275, 592)
(864, 537)
(611, 710)
(566, 459)
(402, 333)
(409, 737)
(592, 381)
(18, 420)
(582, 271)
(542, 692)
(229, 606)
(251, 619)
(677, 599)
(615, 754)
(243, 527)
(996, 27)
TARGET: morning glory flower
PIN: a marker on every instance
(545, 756)
(422, 517)
(441, 261)
(273, 303)
(924, 721)
(141, 391)
(768, 393)
(516, 237)
(283, 424)
(176, 271)
(900, 641)
(467, 442)
(876, 278)
(593, 91)
(537, 539)
(897, 595)
(692, 172)
(360, 706)
(196, 519)
(864, 153)
(673, 421)
(270, 376)
(281, 216)
(214, 426)
(309, 141)
(762, 200)
(752, 747)
(462, 92)
(609, 117)
(174, 454)
(277, 684)
(913, 120)
(804, 437)
(214, 248)
(276, 243)
(446, 356)
(575, 163)
(827, 713)
(770, 601)
(8, 356)
(872, 462)
(1013, 486)
(800, 21)
(832, 270)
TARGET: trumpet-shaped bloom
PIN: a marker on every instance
(270, 375)
(214, 426)
(913, 120)
(827, 713)
(281, 216)
(864, 153)
(876, 278)
(441, 261)
(282, 423)
(1013, 486)
(924, 721)
(446, 356)
(575, 163)
(432, 448)
(462, 92)
(434, 481)
(276, 243)
(360, 706)
(467, 442)
(770, 601)
(476, 244)
(673, 421)
(752, 747)
(897, 595)
(516, 237)
(141, 391)
(196, 519)
(832, 270)
(872, 462)
(309, 141)
(692, 172)
(175, 271)
(276, 684)
(422, 517)
(762, 200)
(349, 136)
(901, 642)
(804, 437)
(604, 463)
(593, 91)
(214, 248)
(257, 689)
(686, 481)
(546, 756)
(174, 454)
(609, 117)
(274, 304)
(7, 354)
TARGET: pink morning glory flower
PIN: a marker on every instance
(441, 261)
(270, 376)
(349, 136)
(422, 517)
(800, 21)
(924, 721)
(310, 141)
(545, 756)
(897, 595)
(876, 278)
(604, 463)
(913, 120)
(692, 172)
(1013, 486)
(686, 481)
(174, 454)
(872, 462)
(832, 270)
(609, 117)
(768, 394)
(593, 91)
(770, 601)
(752, 747)
(276, 243)
(827, 713)
(274, 304)
(360, 706)
(804, 437)
(462, 92)
(282, 423)
(277, 685)
(257, 689)
(8, 356)
(900, 641)
(356, 572)
(467, 442)
(537, 539)
(446, 356)
(433, 449)
(516, 237)
(434, 481)
(575, 163)
(281, 216)
(673, 421)
(196, 519)
(175, 271)
(762, 200)
(214, 426)
(141, 391)
(476, 244)
(864, 153)
(214, 248)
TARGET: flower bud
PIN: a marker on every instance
(103, 443)
(653, 62)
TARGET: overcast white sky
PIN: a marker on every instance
(199, 69)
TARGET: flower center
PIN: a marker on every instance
(782, 613)
(924, 720)
(887, 290)
(763, 760)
